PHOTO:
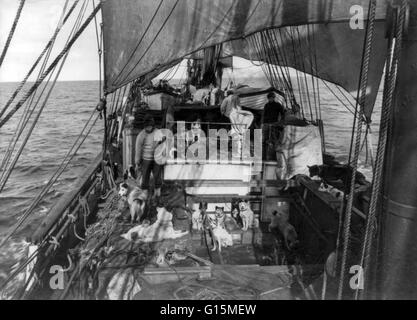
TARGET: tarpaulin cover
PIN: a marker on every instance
(147, 36)
(300, 148)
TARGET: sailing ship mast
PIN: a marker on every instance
(397, 274)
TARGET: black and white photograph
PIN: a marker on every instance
(208, 154)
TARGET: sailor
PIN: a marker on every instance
(216, 95)
(272, 119)
(273, 111)
(241, 120)
(146, 143)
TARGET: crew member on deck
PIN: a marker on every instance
(273, 111)
(146, 143)
(272, 120)
(241, 120)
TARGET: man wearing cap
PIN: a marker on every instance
(273, 111)
(146, 142)
(273, 115)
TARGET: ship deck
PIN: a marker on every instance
(253, 268)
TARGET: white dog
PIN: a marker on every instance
(221, 238)
(246, 214)
(136, 199)
(197, 216)
(162, 229)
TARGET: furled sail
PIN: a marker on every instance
(143, 37)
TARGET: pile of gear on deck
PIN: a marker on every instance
(116, 254)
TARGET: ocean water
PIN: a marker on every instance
(69, 106)
(63, 118)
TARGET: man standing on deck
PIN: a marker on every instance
(272, 119)
(146, 142)
(241, 120)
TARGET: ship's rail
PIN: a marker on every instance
(57, 220)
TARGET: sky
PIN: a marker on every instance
(37, 23)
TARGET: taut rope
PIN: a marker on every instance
(12, 30)
(359, 107)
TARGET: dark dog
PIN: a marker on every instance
(332, 174)
(236, 212)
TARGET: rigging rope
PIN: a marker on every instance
(389, 88)
(140, 40)
(67, 159)
(291, 36)
(12, 30)
(28, 111)
(100, 51)
(304, 72)
(152, 42)
(8, 170)
(52, 66)
(48, 45)
(24, 118)
(359, 106)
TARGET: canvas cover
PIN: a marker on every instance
(148, 36)
(300, 148)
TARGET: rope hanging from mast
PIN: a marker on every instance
(77, 30)
(390, 81)
(6, 166)
(12, 30)
(65, 162)
(355, 146)
(48, 45)
(25, 116)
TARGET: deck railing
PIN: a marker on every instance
(56, 222)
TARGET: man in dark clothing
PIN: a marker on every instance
(274, 114)
(273, 111)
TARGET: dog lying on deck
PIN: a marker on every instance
(161, 229)
(332, 174)
(136, 199)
